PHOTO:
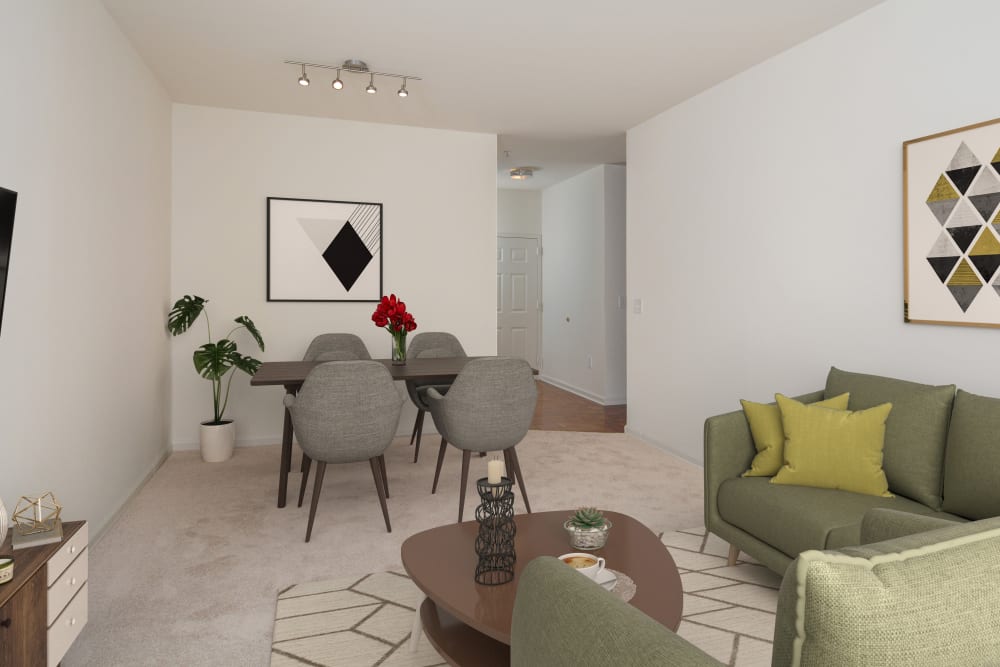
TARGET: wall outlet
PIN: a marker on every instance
(590, 361)
(621, 303)
(637, 306)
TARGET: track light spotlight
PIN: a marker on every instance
(353, 66)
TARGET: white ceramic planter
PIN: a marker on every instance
(217, 441)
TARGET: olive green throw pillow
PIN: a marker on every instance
(833, 449)
(769, 435)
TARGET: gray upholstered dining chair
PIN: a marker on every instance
(425, 345)
(336, 347)
(346, 412)
(331, 347)
(488, 408)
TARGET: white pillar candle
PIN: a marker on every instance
(494, 471)
(38, 510)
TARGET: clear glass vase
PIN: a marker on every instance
(398, 348)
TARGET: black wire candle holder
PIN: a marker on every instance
(495, 542)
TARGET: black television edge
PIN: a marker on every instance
(8, 202)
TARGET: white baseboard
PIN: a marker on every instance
(261, 440)
(98, 530)
(663, 446)
(583, 393)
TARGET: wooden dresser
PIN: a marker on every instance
(44, 607)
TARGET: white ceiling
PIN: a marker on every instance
(559, 80)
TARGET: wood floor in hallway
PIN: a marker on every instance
(561, 410)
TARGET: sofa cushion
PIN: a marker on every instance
(769, 435)
(793, 519)
(859, 609)
(973, 457)
(833, 449)
(915, 432)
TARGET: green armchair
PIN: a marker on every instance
(928, 593)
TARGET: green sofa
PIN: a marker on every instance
(942, 451)
(929, 595)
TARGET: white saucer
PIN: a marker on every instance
(606, 578)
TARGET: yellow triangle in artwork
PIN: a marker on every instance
(943, 191)
(986, 245)
(996, 158)
(964, 275)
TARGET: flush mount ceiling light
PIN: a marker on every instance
(354, 66)
(522, 173)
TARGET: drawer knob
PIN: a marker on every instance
(72, 582)
(72, 549)
(5, 623)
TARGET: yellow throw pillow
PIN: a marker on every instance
(769, 436)
(833, 449)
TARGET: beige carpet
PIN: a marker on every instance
(189, 572)
(367, 620)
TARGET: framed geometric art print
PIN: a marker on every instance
(319, 250)
(951, 229)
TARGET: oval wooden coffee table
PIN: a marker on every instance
(469, 623)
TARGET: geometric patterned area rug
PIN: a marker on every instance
(367, 620)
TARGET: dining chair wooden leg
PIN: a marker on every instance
(520, 477)
(419, 426)
(413, 434)
(306, 463)
(437, 471)
(379, 482)
(317, 488)
(385, 476)
(509, 465)
(466, 455)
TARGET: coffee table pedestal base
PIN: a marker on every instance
(458, 643)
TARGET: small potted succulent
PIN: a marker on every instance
(588, 529)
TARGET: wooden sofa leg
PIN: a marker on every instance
(734, 553)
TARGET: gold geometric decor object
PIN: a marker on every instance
(36, 515)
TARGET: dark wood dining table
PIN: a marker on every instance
(291, 375)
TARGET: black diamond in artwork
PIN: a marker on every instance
(347, 256)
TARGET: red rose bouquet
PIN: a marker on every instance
(391, 315)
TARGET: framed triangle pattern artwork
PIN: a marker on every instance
(323, 250)
(951, 227)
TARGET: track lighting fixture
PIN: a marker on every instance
(354, 66)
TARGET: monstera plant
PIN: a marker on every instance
(214, 361)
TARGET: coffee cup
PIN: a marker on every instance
(586, 564)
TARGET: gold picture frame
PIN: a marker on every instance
(951, 227)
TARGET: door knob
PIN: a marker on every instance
(5, 623)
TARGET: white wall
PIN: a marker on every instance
(765, 220)
(440, 206)
(576, 328)
(84, 351)
(615, 341)
(519, 212)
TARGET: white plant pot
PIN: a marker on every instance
(217, 441)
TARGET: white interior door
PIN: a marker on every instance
(518, 298)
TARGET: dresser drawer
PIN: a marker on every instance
(67, 627)
(67, 554)
(66, 586)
